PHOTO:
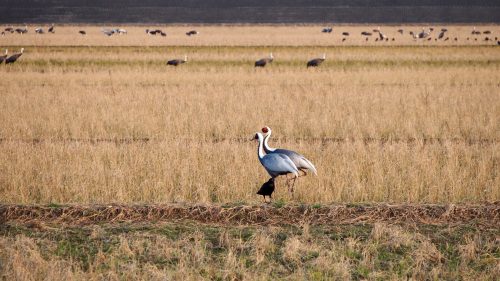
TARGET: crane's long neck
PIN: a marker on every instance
(266, 145)
(260, 151)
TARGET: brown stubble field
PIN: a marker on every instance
(98, 120)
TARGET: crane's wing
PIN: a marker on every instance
(279, 163)
(298, 159)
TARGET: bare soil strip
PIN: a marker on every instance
(486, 214)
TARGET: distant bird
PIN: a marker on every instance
(381, 35)
(414, 35)
(376, 39)
(120, 31)
(39, 30)
(82, 32)
(366, 39)
(498, 43)
(365, 33)
(262, 62)
(327, 30)
(424, 34)
(343, 39)
(393, 39)
(276, 164)
(163, 33)
(3, 32)
(22, 30)
(267, 189)
(192, 32)
(431, 29)
(444, 29)
(316, 62)
(14, 57)
(447, 38)
(456, 39)
(9, 29)
(486, 39)
(429, 39)
(302, 163)
(177, 62)
(400, 31)
(345, 33)
(475, 32)
(108, 32)
(441, 34)
(51, 29)
(486, 32)
(3, 57)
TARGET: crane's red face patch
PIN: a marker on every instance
(265, 130)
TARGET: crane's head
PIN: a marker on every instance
(257, 137)
(22, 50)
(266, 130)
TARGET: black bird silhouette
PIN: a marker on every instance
(267, 189)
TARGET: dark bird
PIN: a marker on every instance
(393, 39)
(9, 29)
(267, 189)
(444, 29)
(82, 32)
(345, 33)
(343, 39)
(192, 32)
(327, 30)
(431, 28)
(51, 29)
(447, 38)
(316, 62)
(177, 61)
(441, 34)
(262, 62)
(365, 33)
(486, 32)
(163, 33)
(39, 30)
(400, 31)
(3, 57)
(456, 39)
(3, 32)
(498, 43)
(475, 32)
(430, 38)
(14, 57)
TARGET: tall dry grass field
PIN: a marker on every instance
(90, 123)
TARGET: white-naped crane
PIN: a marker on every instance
(108, 32)
(9, 29)
(192, 32)
(82, 32)
(14, 57)
(177, 62)
(424, 34)
(276, 164)
(22, 30)
(316, 62)
(262, 62)
(381, 35)
(327, 30)
(3, 57)
(39, 30)
(301, 162)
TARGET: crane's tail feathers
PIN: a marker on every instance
(311, 167)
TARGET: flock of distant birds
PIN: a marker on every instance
(425, 34)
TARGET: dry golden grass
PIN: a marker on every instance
(204, 252)
(115, 124)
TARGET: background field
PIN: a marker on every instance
(100, 120)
